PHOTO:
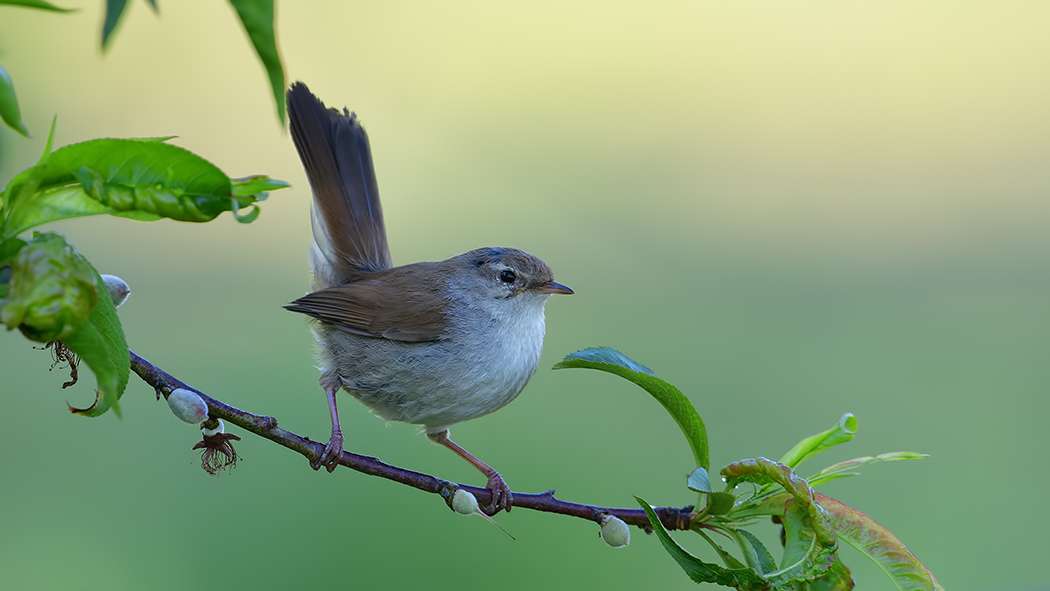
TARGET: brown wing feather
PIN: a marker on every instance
(397, 305)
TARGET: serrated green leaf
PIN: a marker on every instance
(52, 290)
(140, 179)
(745, 579)
(699, 481)
(755, 553)
(114, 10)
(9, 111)
(610, 360)
(761, 506)
(58, 203)
(131, 175)
(728, 559)
(763, 470)
(807, 555)
(843, 431)
(880, 545)
(257, 18)
(844, 469)
(836, 579)
(35, 4)
(718, 503)
(101, 345)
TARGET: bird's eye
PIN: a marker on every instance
(507, 276)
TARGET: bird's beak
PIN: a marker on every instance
(551, 288)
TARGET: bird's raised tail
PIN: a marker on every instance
(349, 234)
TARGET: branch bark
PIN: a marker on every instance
(264, 426)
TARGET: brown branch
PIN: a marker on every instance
(263, 426)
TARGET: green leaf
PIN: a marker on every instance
(699, 481)
(880, 545)
(35, 4)
(100, 343)
(844, 469)
(807, 554)
(55, 204)
(52, 290)
(9, 111)
(5, 279)
(257, 18)
(256, 186)
(755, 552)
(812, 545)
(8, 249)
(745, 579)
(727, 558)
(842, 432)
(140, 179)
(114, 10)
(718, 502)
(836, 579)
(612, 361)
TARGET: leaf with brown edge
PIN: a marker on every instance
(880, 545)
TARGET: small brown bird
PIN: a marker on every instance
(431, 344)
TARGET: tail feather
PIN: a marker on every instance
(349, 234)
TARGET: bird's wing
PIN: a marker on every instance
(375, 309)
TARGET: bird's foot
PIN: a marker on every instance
(502, 498)
(329, 458)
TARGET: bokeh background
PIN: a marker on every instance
(790, 210)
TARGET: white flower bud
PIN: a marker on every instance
(615, 532)
(187, 406)
(220, 429)
(464, 503)
(118, 289)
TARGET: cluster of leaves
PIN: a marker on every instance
(52, 293)
(47, 289)
(256, 16)
(813, 523)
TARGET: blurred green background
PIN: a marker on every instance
(790, 210)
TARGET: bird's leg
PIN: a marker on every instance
(334, 448)
(501, 495)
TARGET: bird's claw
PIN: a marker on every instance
(502, 498)
(329, 458)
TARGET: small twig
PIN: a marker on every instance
(264, 426)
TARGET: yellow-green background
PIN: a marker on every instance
(790, 209)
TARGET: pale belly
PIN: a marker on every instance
(438, 383)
